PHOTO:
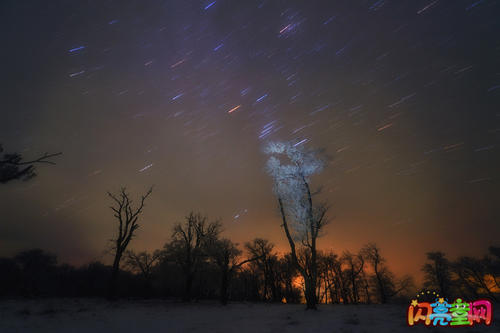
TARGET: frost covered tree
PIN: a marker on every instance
(291, 167)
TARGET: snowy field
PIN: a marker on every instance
(88, 315)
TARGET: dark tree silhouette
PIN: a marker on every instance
(492, 262)
(385, 284)
(36, 266)
(10, 277)
(266, 262)
(438, 273)
(328, 268)
(302, 219)
(288, 273)
(188, 247)
(225, 255)
(127, 217)
(13, 167)
(142, 263)
(472, 274)
(355, 264)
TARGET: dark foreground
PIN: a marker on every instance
(90, 315)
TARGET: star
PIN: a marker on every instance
(441, 300)
(414, 302)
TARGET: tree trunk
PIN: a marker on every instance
(188, 287)
(382, 293)
(367, 292)
(354, 290)
(224, 288)
(114, 277)
(310, 293)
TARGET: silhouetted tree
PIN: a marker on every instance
(10, 277)
(13, 167)
(355, 264)
(333, 280)
(472, 274)
(225, 255)
(93, 279)
(127, 216)
(188, 247)
(248, 284)
(302, 220)
(267, 263)
(36, 268)
(385, 284)
(492, 262)
(288, 272)
(438, 273)
(142, 263)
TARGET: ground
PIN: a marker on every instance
(93, 315)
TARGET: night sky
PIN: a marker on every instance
(404, 96)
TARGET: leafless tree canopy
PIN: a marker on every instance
(188, 246)
(225, 254)
(385, 284)
(13, 167)
(127, 216)
(142, 262)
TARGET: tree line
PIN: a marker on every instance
(197, 262)
(466, 277)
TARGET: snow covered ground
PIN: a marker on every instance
(91, 315)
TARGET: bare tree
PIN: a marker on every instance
(340, 279)
(385, 284)
(288, 273)
(327, 263)
(266, 262)
(302, 220)
(438, 273)
(188, 247)
(13, 167)
(225, 255)
(143, 263)
(492, 262)
(473, 274)
(355, 264)
(127, 216)
(35, 267)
